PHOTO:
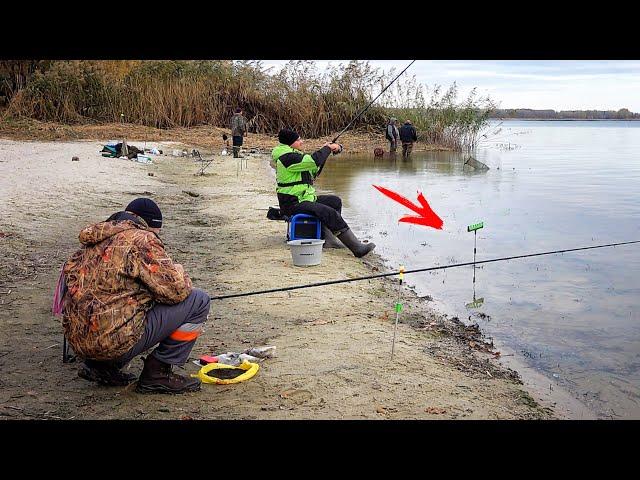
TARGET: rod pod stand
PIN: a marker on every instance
(398, 308)
(474, 228)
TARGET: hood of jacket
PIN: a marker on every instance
(99, 232)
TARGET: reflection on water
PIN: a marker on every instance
(573, 316)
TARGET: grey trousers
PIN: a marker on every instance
(174, 327)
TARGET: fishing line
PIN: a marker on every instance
(364, 110)
(427, 269)
(371, 103)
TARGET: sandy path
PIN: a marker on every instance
(333, 342)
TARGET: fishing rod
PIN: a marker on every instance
(371, 103)
(427, 269)
(364, 110)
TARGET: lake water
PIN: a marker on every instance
(575, 317)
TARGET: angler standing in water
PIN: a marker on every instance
(295, 172)
(392, 134)
(408, 136)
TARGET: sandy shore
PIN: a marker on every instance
(333, 342)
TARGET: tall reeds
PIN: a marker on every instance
(167, 94)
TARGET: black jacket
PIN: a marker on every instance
(408, 133)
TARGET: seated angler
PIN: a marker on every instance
(124, 296)
(295, 172)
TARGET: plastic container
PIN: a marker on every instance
(306, 253)
(304, 226)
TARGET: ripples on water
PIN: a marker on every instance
(552, 185)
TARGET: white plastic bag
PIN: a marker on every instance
(234, 359)
(230, 358)
(250, 358)
(267, 351)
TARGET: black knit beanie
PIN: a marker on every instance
(147, 210)
(287, 136)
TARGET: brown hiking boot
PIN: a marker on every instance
(157, 377)
(105, 374)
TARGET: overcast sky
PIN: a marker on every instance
(538, 84)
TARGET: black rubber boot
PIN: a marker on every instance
(236, 150)
(104, 374)
(330, 240)
(157, 377)
(358, 248)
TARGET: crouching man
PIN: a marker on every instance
(124, 296)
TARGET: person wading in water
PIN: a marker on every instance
(408, 136)
(393, 135)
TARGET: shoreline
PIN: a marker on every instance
(333, 342)
(544, 390)
(202, 137)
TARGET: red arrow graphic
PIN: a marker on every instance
(426, 216)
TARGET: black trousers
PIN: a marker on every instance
(328, 208)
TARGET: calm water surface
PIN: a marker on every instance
(552, 185)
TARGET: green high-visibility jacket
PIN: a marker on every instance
(295, 172)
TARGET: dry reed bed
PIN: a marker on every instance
(175, 94)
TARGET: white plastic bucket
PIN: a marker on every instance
(306, 252)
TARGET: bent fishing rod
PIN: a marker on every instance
(364, 110)
(427, 269)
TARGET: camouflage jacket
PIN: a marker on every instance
(238, 125)
(112, 281)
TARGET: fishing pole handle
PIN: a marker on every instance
(339, 144)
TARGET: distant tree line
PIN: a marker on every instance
(622, 114)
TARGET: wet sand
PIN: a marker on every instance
(333, 343)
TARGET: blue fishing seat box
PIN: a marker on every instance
(304, 226)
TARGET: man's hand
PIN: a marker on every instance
(335, 148)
